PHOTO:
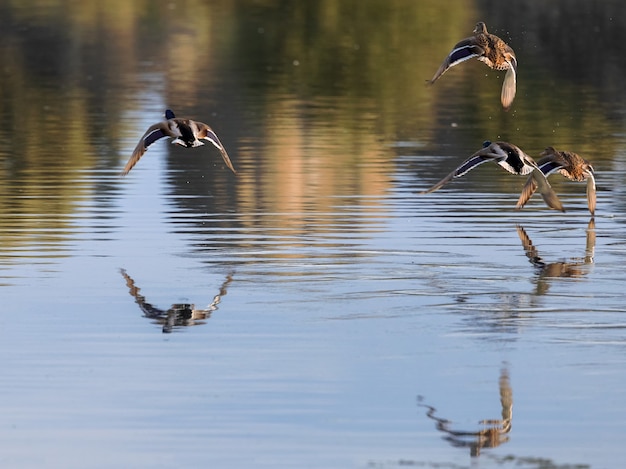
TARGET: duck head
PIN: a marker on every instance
(481, 28)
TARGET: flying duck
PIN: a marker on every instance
(491, 50)
(571, 165)
(185, 132)
(512, 159)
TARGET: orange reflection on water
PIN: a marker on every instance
(572, 268)
(495, 432)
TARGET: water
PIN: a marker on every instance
(315, 310)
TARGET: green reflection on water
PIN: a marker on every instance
(309, 97)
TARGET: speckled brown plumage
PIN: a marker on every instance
(570, 165)
(492, 51)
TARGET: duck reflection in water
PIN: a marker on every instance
(573, 268)
(495, 432)
(180, 314)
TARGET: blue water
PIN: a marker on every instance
(328, 326)
(315, 310)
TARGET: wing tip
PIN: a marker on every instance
(509, 89)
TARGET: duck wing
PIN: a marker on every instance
(538, 180)
(154, 133)
(509, 86)
(591, 192)
(206, 133)
(546, 191)
(478, 158)
(547, 165)
(527, 192)
(464, 50)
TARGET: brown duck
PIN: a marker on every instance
(491, 50)
(569, 164)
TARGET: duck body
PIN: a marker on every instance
(512, 159)
(492, 51)
(185, 132)
(571, 166)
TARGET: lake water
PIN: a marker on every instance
(315, 310)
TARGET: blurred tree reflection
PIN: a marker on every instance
(312, 99)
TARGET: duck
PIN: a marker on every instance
(575, 267)
(185, 132)
(492, 51)
(512, 159)
(570, 165)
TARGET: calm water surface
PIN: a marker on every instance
(315, 310)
